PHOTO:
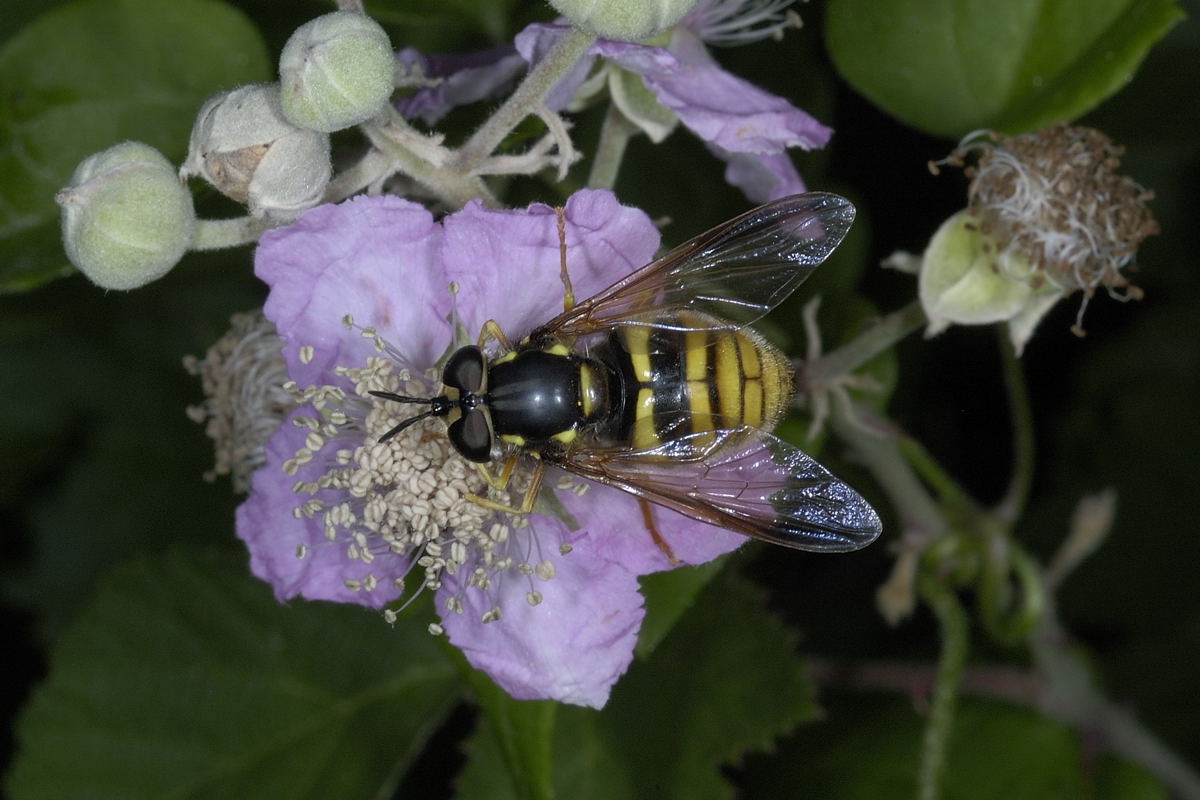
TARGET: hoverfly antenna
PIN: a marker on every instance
(436, 408)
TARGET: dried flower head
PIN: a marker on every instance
(1047, 216)
(1055, 197)
(242, 376)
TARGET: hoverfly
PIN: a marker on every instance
(656, 386)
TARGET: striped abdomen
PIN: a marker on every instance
(683, 379)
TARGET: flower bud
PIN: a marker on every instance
(126, 218)
(244, 146)
(624, 20)
(336, 71)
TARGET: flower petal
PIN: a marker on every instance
(572, 647)
(720, 107)
(375, 258)
(291, 553)
(617, 531)
(762, 178)
(521, 286)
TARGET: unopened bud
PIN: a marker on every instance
(624, 20)
(244, 146)
(336, 71)
(126, 218)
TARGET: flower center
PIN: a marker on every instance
(408, 496)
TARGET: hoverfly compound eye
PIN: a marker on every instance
(466, 370)
(471, 434)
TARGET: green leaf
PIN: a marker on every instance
(952, 66)
(868, 749)
(724, 681)
(668, 595)
(89, 74)
(185, 678)
(102, 461)
(585, 767)
(522, 735)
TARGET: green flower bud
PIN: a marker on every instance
(126, 218)
(336, 71)
(968, 278)
(244, 146)
(624, 20)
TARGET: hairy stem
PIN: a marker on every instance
(524, 101)
(398, 142)
(861, 428)
(866, 345)
(217, 234)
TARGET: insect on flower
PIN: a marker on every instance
(656, 386)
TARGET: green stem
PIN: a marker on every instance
(946, 488)
(615, 134)
(521, 103)
(866, 345)
(952, 620)
(1009, 612)
(1015, 498)
(218, 234)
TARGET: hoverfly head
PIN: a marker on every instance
(464, 384)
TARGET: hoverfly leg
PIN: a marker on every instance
(568, 291)
(492, 328)
(659, 541)
(499, 482)
(535, 483)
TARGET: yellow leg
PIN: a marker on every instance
(568, 292)
(499, 483)
(492, 328)
(535, 483)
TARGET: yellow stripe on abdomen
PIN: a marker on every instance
(644, 435)
(636, 339)
(727, 377)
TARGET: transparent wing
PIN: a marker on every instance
(737, 271)
(747, 481)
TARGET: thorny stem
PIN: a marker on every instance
(217, 234)
(952, 620)
(524, 101)
(1013, 503)
(862, 348)
(610, 149)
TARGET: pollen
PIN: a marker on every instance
(408, 496)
